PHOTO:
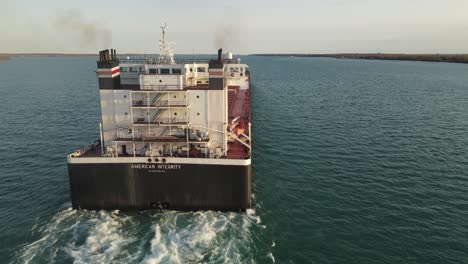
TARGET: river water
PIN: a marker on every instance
(354, 162)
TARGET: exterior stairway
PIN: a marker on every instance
(232, 93)
(156, 98)
(158, 113)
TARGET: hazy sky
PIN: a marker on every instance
(314, 26)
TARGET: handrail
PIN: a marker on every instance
(173, 120)
(153, 61)
(124, 60)
(166, 87)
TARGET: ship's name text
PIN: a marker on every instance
(157, 166)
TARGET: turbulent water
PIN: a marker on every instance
(354, 162)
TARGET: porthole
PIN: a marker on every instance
(175, 113)
(198, 96)
(149, 160)
(198, 113)
(126, 113)
(125, 96)
(160, 81)
(175, 96)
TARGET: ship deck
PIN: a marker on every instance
(236, 151)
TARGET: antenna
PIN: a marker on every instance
(166, 56)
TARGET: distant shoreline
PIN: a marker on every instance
(453, 58)
(12, 55)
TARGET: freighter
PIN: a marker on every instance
(174, 134)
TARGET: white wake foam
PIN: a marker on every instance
(149, 237)
(104, 241)
(201, 237)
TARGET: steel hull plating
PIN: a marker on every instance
(155, 185)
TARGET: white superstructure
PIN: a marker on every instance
(170, 108)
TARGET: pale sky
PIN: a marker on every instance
(314, 26)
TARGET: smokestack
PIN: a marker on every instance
(220, 54)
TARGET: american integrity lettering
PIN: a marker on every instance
(157, 166)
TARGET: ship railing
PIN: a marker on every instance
(168, 88)
(174, 120)
(171, 103)
(144, 137)
(140, 103)
(123, 137)
(155, 61)
(161, 87)
(158, 138)
(161, 121)
(160, 103)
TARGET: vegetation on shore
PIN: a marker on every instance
(11, 55)
(455, 58)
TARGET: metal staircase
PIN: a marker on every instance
(156, 98)
(157, 115)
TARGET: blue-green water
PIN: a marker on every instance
(354, 162)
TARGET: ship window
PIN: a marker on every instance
(198, 96)
(198, 113)
(126, 113)
(123, 69)
(153, 71)
(141, 69)
(175, 96)
(201, 69)
(176, 71)
(165, 71)
(175, 113)
(125, 96)
(133, 69)
(191, 69)
(199, 81)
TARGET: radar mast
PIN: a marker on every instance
(166, 55)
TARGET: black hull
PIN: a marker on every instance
(141, 186)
